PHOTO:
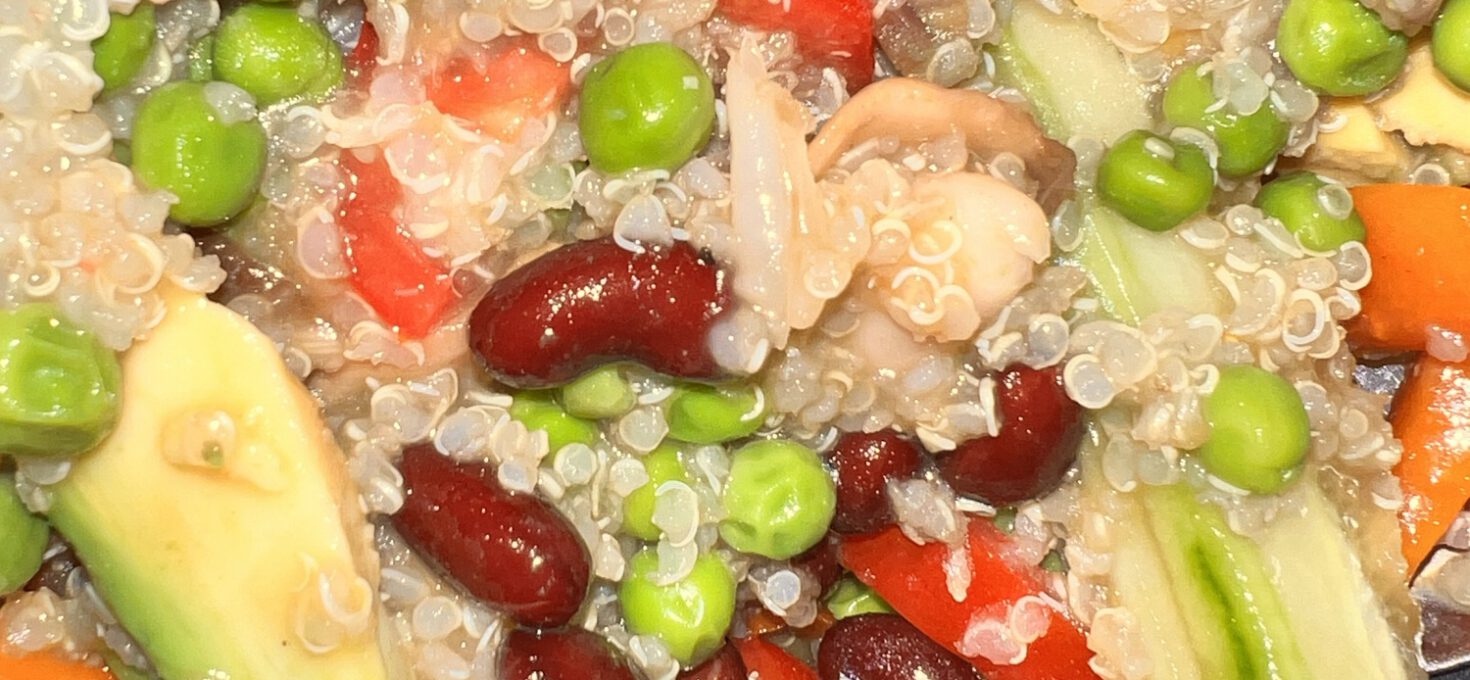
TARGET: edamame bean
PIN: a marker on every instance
(662, 465)
(649, 106)
(1451, 42)
(1339, 47)
(851, 597)
(690, 616)
(601, 393)
(120, 53)
(1154, 182)
(197, 141)
(1259, 433)
(1247, 143)
(24, 536)
(537, 410)
(1297, 200)
(274, 53)
(58, 384)
(704, 414)
(779, 500)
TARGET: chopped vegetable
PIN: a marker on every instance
(1419, 237)
(274, 53)
(1259, 432)
(121, 52)
(831, 33)
(766, 661)
(24, 536)
(662, 465)
(706, 414)
(58, 384)
(1247, 143)
(779, 499)
(649, 106)
(1339, 46)
(1300, 201)
(511, 82)
(1431, 416)
(1451, 42)
(691, 615)
(599, 393)
(200, 142)
(1154, 182)
(537, 410)
(851, 597)
(362, 61)
(47, 667)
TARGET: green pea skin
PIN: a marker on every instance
(25, 537)
(1259, 432)
(600, 393)
(690, 616)
(662, 465)
(1293, 200)
(538, 410)
(120, 53)
(650, 107)
(851, 597)
(58, 385)
(1339, 47)
(1151, 189)
(779, 500)
(182, 145)
(1247, 143)
(275, 54)
(1450, 44)
(706, 414)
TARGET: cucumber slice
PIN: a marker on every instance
(1135, 272)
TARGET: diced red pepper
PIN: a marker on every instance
(362, 61)
(911, 578)
(501, 88)
(405, 286)
(767, 661)
(835, 33)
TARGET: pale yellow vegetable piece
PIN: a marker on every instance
(1424, 106)
(1358, 149)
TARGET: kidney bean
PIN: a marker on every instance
(593, 302)
(569, 654)
(886, 647)
(724, 665)
(862, 464)
(1040, 431)
(821, 561)
(512, 550)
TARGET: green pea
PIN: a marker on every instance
(58, 384)
(1247, 144)
(1154, 182)
(601, 393)
(201, 60)
(851, 597)
(705, 414)
(1259, 433)
(274, 53)
(1339, 47)
(690, 616)
(120, 53)
(662, 465)
(184, 145)
(25, 537)
(779, 499)
(537, 410)
(1294, 199)
(1451, 43)
(650, 106)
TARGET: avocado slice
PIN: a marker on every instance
(218, 512)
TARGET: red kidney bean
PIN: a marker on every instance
(886, 647)
(724, 665)
(1040, 431)
(862, 464)
(592, 302)
(821, 561)
(570, 654)
(511, 550)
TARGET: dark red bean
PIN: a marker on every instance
(822, 561)
(862, 464)
(886, 647)
(592, 302)
(56, 570)
(724, 665)
(570, 654)
(511, 550)
(1040, 431)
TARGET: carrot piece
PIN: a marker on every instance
(767, 661)
(501, 88)
(1419, 237)
(1432, 417)
(47, 667)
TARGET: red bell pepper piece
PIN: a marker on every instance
(501, 88)
(767, 661)
(362, 61)
(835, 33)
(911, 578)
(405, 286)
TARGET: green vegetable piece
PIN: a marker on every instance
(1005, 520)
(1247, 143)
(24, 536)
(1154, 182)
(58, 384)
(274, 53)
(120, 53)
(120, 669)
(650, 106)
(1259, 434)
(779, 499)
(201, 59)
(1297, 200)
(601, 393)
(690, 616)
(1055, 561)
(1451, 43)
(662, 465)
(851, 597)
(538, 410)
(211, 161)
(704, 414)
(1339, 47)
